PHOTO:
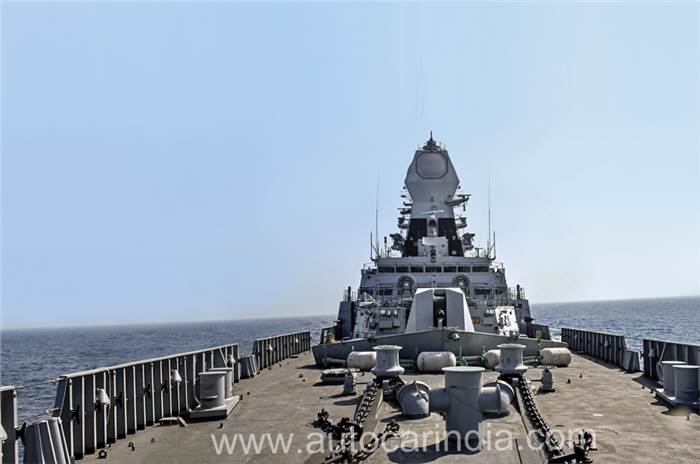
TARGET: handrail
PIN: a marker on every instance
(608, 347)
(655, 351)
(140, 393)
(271, 350)
(132, 363)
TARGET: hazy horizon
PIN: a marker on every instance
(178, 162)
(332, 314)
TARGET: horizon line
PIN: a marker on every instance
(299, 316)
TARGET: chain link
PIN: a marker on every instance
(347, 431)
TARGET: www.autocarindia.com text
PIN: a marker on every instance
(408, 441)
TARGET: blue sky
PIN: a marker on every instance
(172, 162)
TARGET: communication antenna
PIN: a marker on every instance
(376, 220)
(488, 245)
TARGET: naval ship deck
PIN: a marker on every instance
(630, 425)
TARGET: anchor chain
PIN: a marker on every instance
(347, 430)
(391, 430)
(554, 450)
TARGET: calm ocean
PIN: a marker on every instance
(32, 356)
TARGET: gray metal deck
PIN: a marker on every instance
(630, 425)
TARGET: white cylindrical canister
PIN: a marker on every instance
(560, 357)
(434, 361)
(362, 360)
(492, 358)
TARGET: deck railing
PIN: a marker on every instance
(611, 348)
(271, 350)
(8, 419)
(139, 393)
(655, 351)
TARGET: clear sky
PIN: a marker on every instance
(173, 162)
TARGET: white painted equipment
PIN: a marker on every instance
(668, 375)
(439, 307)
(434, 361)
(414, 399)
(362, 360)
(3, 437)
(45, 443)
(559, 357)
(102, 398)
(387, 361)
(492, 358)
(511, 359)
(506, 320)
(336, 376)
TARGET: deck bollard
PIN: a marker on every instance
(45, 442)
(686, 384)
(668, 374)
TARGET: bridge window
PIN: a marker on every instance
(464, 268)
(433, 268)
(450, 269)
(386, 269)
(479, 269)
(482, 291)
(417, 269)
(401, 269)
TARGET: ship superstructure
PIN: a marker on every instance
(433, 249)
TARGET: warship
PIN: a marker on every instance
(434, 358)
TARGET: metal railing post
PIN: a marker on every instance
(8, 419)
